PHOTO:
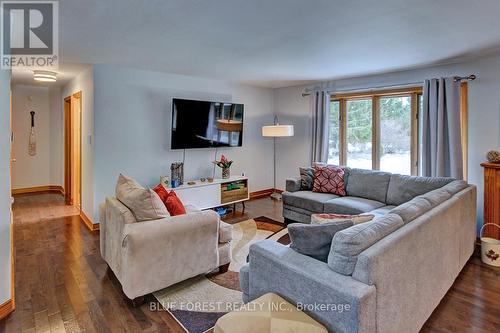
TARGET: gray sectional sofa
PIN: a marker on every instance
(387, 275)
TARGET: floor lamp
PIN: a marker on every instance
(276, 131)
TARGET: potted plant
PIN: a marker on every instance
(225, 165)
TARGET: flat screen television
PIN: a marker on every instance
(205, 124)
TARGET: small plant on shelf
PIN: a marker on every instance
(225, 165)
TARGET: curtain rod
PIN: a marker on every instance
(471, 77)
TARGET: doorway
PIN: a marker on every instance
(73, 149)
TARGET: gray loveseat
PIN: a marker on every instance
(387, 275)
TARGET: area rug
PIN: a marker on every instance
(197, 303)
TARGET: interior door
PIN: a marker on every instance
(73, 149)
(12, 158)
(67, 151)
(76, 114)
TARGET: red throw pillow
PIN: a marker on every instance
(172, 202)
(329, 179)
(162, 193)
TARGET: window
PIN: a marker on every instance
(375, 130)
(359, 133)
(395, 134)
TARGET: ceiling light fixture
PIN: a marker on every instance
(44, 76)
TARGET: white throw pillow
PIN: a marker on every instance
(144, 203)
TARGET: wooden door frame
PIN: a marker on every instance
(69, 123)
(67, 151)
(374, 96)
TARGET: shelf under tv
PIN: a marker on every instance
(220, 192)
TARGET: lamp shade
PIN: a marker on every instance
(229, 125)
(277, 130)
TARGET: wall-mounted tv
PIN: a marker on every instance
(205, 124)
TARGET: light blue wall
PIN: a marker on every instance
(484, 114)
(5, 218)
(132, 110)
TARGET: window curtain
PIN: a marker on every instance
(441, 135)
(320, 108)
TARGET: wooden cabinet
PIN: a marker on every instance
(235, 191)
(491, 199)
(205, 195)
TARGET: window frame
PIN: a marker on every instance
(375, 96)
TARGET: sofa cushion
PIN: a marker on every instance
(436, 197)
(412, 209)
(404, 188)
(144, 203)
(347, 244)
(382, 210)
(368, 184)
(308, 200)
(351, 205)
(294, 214)
(314, 240)
(329, 179)
(455, 186)
(225, 232)
(306, 178)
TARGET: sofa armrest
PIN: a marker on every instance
(292, 185)
(114, 216)
(304, 280)
(159, 253)
(244, 281)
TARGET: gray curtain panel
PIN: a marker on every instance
(441, 136)
(320, 107)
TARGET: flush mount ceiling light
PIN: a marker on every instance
(44, 76)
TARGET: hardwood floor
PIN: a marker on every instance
(62, 283)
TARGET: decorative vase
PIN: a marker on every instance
(226, 173)
(177, 172)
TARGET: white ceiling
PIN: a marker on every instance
(65, 73)
(277, 43)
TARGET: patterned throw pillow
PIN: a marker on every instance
(306, 179)
(329, 179)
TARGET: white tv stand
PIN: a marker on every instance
(220, 192)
